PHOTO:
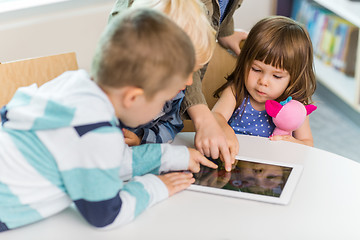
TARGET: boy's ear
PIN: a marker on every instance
(131, 94)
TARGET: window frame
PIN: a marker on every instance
(42, 7)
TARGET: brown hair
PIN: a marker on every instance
(282, 43)
(142, 48)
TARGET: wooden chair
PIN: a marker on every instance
(35, 70)
(220, 66)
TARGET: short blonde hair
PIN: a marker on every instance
(191, 17)
(145, 49)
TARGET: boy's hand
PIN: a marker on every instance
(196, 158)
(177, 181)
(131, 138)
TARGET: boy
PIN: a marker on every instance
(167, 124)
(210, 138)
(61, 143)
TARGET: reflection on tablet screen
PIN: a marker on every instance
(246, 176)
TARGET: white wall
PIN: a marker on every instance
(55, 31)
(77, 28)
(251, 11)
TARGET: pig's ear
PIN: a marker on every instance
(272, 107)
(309, 108)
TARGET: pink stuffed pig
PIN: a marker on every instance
(287, 115)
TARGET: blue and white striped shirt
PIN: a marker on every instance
(61, 143)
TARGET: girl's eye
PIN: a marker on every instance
(277, 77)
(255, 69)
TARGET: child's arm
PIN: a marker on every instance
(142, 192)
(302, 135)
(158, 158)
(225, 106)
(223, 110)
(95, 163)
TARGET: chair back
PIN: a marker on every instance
(34, 70)
(220, 66)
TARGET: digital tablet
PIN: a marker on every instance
(253, 179)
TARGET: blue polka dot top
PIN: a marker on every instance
(248, 121)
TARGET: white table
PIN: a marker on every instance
(325, 205)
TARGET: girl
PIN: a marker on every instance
(275, 62)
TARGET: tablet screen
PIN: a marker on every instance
(246, 176)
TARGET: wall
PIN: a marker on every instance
(53, 31)
(64, 28)
(251, 11)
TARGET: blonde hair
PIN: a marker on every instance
(190, 16)
(142, 48)
(282, 43)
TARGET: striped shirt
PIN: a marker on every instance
(61, 143)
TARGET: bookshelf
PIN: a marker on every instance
(345, 87)
(337, 82)
(343, 8)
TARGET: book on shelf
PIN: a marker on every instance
(334, 39)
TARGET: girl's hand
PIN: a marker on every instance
(177, 181)
(287, 138)
(196, 158)
(131, 138)
(302, 135)
(290, 138)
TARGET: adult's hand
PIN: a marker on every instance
(232, 41)
(210, 138)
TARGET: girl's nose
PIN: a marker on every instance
(263, 80)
